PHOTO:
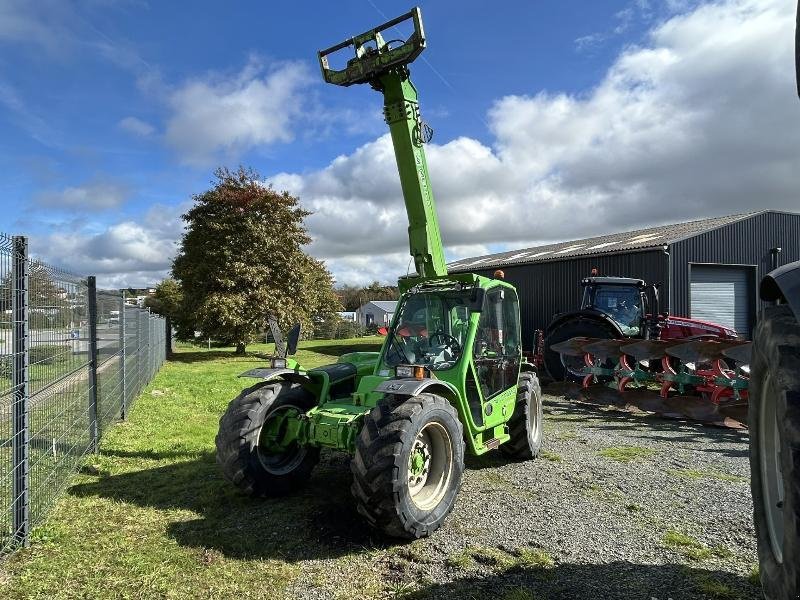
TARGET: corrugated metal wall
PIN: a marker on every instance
(745, 242)
(546, 288)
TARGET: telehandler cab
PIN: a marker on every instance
(449, 378)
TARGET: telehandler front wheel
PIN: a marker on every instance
(250, 446)
(525, 424)
(408, 465)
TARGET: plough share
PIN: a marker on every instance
(701, 379)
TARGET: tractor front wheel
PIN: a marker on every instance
(408, 465)
(252, 448)
(774, 420)
(569, 368)
(525, 424)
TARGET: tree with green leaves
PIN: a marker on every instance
(49, 299)
(353, 297)
(167, 301)
(241, 259)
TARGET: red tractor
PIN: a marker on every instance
(617, 308)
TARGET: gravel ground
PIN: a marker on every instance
(672, 521)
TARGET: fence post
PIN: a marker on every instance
(168, 336)
(20, 382)
(94, 430)
(123, 407)
(149, 346)
(141, 363)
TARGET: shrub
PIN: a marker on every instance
(6, 360)
(48, 354)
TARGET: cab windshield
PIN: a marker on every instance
(431, 330)
(621, 303)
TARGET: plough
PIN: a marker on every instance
(701, 379)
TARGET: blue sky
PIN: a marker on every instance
(574, 117)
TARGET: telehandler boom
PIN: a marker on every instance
(449, 378)
(384, 68)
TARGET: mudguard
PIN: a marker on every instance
(412, 387)
(783, 284)
(268, 374)
(589, 314)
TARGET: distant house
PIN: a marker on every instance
(376, 312)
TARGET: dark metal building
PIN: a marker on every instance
(708, 269)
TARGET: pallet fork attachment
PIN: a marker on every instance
(374, 56)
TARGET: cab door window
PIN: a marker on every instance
(496, 351)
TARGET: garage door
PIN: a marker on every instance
(722, 295)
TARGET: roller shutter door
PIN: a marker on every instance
(722, 295)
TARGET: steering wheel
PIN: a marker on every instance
(448, 341)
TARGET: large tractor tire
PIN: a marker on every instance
(565, 368)
(774, 421)
(246, 449)
(525, 425)
(408, 465)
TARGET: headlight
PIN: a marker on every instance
(405, 371)
(278, 363)
(412, 372)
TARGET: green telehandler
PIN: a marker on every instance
(448, 379)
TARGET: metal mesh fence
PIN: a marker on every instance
(12, 390)
(72, 360)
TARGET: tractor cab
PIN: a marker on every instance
(464, 334)
(431, 329)
(622, 299)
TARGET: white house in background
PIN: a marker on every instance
(348, 315)
(376, 312)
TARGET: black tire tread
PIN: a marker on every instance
(577, 327)
(234, 440)
(776, 350)
(519, 446)
(376, 464)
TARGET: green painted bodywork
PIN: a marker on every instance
(337, 419)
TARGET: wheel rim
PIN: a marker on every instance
(533, 418)
(430, 466)
(769, 450)
(277, 459)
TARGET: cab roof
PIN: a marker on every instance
(626, 281)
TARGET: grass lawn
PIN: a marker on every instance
(150, 516)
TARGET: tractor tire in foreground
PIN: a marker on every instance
(408, 465)
(246, 448)
(525, 425)
(774, 419)
(566, 368)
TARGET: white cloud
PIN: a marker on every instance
(136, 127)
(701, 120)
(123, 254)
(20, 24)
(227, 115)
(92, 196)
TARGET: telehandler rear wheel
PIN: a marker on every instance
(249, 446)
(408, 464)
(525, 425)
(774, 420)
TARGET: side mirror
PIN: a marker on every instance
(476, 299)
(292, 338)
